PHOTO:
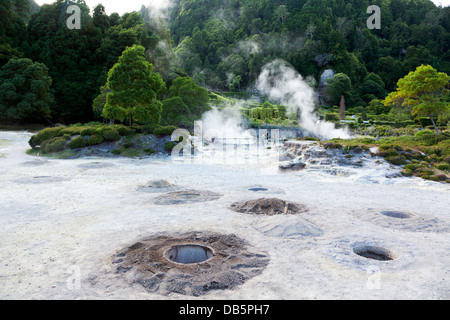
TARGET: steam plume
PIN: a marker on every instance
(284, 84)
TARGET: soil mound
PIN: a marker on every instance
(229, 262)
(267, 206)
(187, 196)
(156, 186)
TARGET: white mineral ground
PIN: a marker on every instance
(62, 223)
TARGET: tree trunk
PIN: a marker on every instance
(434, 124)
(131, 121)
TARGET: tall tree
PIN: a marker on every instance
(134, 88)
(421, 91)
(25, 91)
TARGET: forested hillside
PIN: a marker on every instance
(222, 40)
(222, 45)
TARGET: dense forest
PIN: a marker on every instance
(56, 74)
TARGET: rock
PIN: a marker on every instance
(293, 166)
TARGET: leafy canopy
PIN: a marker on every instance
(420, 91)
(134, 88)
(25, 91)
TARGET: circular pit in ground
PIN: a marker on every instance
(374, 253)
(397, 214)
(191, 264)
(189, 253)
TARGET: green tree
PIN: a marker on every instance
(340, 85)
(25, 91)
(373, 87)
(194, 96)
(100, 101)
(134, 88)
(174, 109)
(421, 91)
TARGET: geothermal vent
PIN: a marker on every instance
(190, 264)
(187, 196)
(267, 206)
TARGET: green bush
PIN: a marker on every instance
(430, 139)
(424, 122)
(124, 130)
(53, 145)
(164, 131)
(407, 173)
(396, 160)
(423, 132)
(149, 151)
(331, 116)
(332, 145)
(438, 178)
(116, 151)
(95, 139)
(168, 146)
(443, 166)
(78, 142)
(44, 135)
(89, 131)
(308, 138)
(391, 153)
(71, 131)
(111, 134)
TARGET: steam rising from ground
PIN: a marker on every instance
(225, 123)
(284, 84)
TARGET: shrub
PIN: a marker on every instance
(44, 135)
(149, 151)
(430, 139)
(423, 172)
(116, 151)
(391, 153)
(308, 138)
(438, 178)
(396, 160)
(78, 142)
(331, 116)
(168, 146)
(423, 132)
(111, 134)
(164, 131)
(124, 130)
(53, 145)
(407, 173)
(95, 139)
(88, 131)
(71, 131)
(332, 145)
(424, 122)
(443, 166)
